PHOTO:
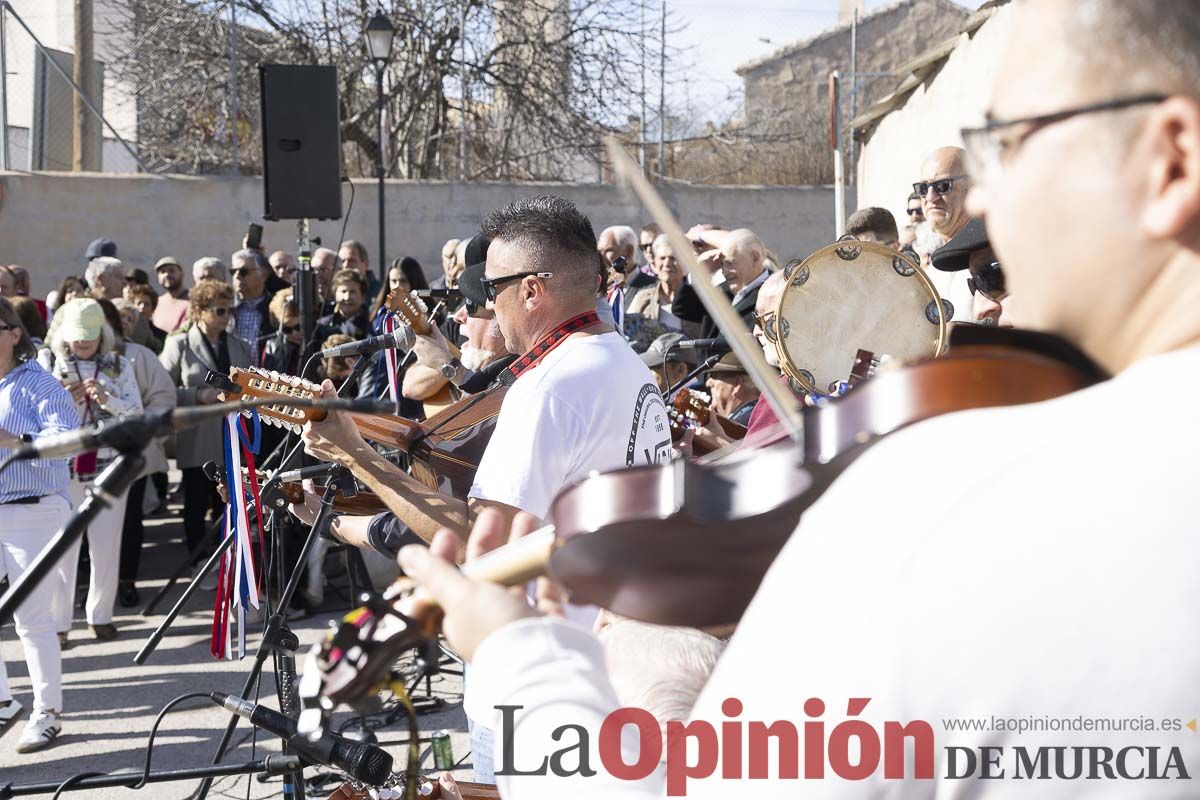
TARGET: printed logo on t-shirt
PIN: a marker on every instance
(650, 436)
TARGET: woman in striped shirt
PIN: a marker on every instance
(33, 500)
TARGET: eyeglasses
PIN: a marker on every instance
(917, 210)
(942, 186)
(988, 281)
(491, 286)
(766, 323)
(994, 145)
(220, 311)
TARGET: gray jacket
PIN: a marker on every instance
(187, 361)
(158, 394)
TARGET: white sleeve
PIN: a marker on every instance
(555, 672)
(530, 453)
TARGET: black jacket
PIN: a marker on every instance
(687, 306)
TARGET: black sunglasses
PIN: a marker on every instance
(942, 186)
(290, 329)
(988, 281)
(917, 210)
(242, 272)
(491, 286)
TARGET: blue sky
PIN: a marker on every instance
(721, 34)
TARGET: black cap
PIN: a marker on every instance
(101, 247)
(470, 281)
(138, 276)
(955, 254)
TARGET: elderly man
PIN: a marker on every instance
(209, 268)
(450, 269)
(324, 263)
(943, 190)
(251, 316)
(105, 278)
(614, 242)
(171, 309)
(21, 276)
(740, 256)
(354, 256)
(1096, 105)
(655, 302)
(284, 265)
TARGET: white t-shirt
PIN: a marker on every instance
(1048, 580)
(590, 405)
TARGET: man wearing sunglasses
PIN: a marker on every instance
(943, 191)
(970, 250)
(1065, 529)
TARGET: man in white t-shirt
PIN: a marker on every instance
(1027, 626)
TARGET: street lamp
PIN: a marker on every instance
(379, 34)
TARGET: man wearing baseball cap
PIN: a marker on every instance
(172, 306)
(668, 363)
(970, 249)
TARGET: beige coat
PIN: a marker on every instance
(188, 362)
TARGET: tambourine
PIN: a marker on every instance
(854, 296)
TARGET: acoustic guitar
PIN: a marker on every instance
(413, 312)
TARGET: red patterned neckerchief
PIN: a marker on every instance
(547, 343)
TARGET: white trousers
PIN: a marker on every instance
(24, 532)
(104, 547)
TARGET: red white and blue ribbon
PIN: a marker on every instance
(390, 323)
(238, 577)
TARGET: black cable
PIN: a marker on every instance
(149, 748)
(349, 208)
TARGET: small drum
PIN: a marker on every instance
(854, 296)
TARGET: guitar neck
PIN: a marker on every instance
(387, 430)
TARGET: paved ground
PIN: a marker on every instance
(111, 703)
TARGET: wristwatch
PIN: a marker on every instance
(450, 368)
(26, 438)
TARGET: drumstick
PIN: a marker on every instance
(784, 403)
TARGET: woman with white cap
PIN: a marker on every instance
(82, 355)
(33, 501)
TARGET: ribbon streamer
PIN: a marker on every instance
(238, 578)
(389, 355)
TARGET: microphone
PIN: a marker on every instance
(363, 762)
(132, 433)
(319, 471)
(718, 345)
(402, 338)
(439, 294)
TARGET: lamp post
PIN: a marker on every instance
(379, 34)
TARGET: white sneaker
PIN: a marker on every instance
(42, 729)
(10, 711)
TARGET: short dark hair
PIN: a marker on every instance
(911, 197)
(874, 220)
(652, 227)
(556, 233)
(346, 276)
(25, 349)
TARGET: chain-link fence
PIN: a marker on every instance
(38, 99)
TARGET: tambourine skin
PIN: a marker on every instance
(852, 296)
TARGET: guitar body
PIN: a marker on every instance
(446, 458)
(440, 401)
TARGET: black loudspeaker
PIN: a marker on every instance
(302, 147)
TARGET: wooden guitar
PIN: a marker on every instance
(415, 314)
(444, 450)
(428, 789)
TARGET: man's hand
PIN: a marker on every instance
(432, 351)
(335, 439)
(474, 610)
(207, 395)
(711, 260)
(307, 510)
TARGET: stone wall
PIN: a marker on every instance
(787, 92)
(47, 220)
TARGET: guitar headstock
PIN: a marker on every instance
(253, 383)
(357, 656)
(692, 405)
(411, 309)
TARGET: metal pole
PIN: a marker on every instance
(379, 171)
(3, 91)
(853, 90)
(82, 155)
(662, 96)
(233, 89)
(642, 62)
(839, 186)
(462, 83)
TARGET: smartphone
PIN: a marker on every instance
(254, 236)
